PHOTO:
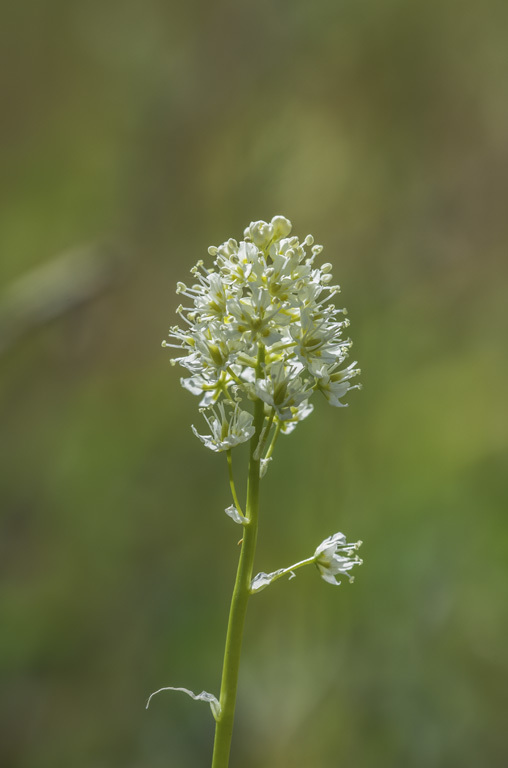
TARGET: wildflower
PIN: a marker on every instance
(283, 389)
(297, 414)
(335, 556)
(260, 335)
(226, 433)
(335, 385)
(327, 558)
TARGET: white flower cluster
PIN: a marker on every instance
(266, 295)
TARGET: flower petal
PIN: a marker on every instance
(235, 515)
(203, 696)
(261, 581)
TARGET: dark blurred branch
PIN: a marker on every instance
(69, 281)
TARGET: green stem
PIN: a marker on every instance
(264, 435)
(232, 481)
(274, 440)
(241, 594)
(235, 378)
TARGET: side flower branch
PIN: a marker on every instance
(334, 556)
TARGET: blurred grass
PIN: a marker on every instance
(159, 129)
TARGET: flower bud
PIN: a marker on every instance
(281, 227)
(260, 233)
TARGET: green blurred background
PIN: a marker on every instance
(133, 135)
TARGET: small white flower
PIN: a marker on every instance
(297, 414)
(216, 348)
(210, 387)
(284, 390)
(335, 384)
(258, 316)
(226, 433)
(260, 233)
(318, 338)
(335, 556)
(281, 226)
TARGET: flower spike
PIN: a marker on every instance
(264, 291)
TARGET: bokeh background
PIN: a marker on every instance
(133, 135)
